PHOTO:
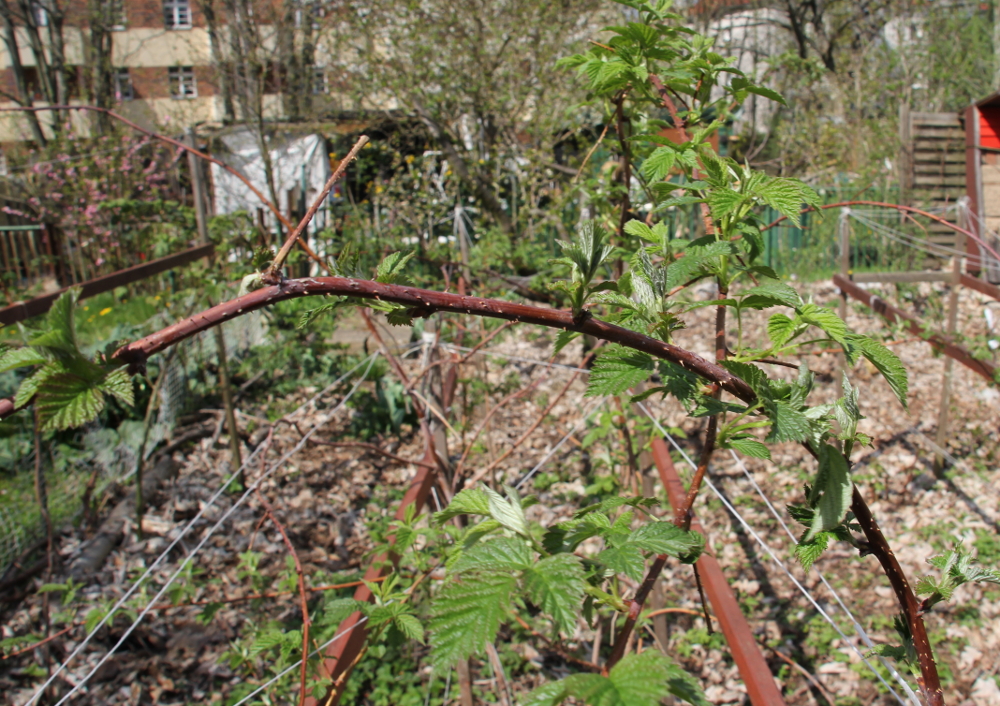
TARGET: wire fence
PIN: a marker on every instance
(112, 453)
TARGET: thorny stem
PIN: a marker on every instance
(302, 593)
(626, 162)
(930, 683)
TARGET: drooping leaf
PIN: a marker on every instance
(555, 584)
(835, 488)
(118, 384)
(887, 363)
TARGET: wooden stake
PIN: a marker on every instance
(942, 430)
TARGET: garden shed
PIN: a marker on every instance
(982, 168)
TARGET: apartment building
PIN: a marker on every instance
(162, 57)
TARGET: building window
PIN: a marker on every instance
(177, 14)
(116, 13)
(319, 84)
(182, 82)
(123, 85)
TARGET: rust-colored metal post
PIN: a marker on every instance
(756, 674)
(341, 654)
(891, 314)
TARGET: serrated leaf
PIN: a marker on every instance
(641, 230)
(470, 501)
(563, 339)
(60, 336)
(808, 551)
(507, 554)
(638, 680)
(658, 165)
(787, 423)
(67, 401)
(617, 370)
(824, 319)
(19, 358)
(750, 447)
(787, 196)
(549, 694)
(507, 512)
(390, 269)
(400, 316)
(834, 482)
(695, 261)
(748, 372)
(724, 201)
(555, 584)
(118, 384)
(775, 290)
(626, 559)
(780, 329)
(666, 538)
(466, 614)
(887, 363)
(409, 626)
(766, 93)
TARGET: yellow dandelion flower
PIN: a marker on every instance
(106, 311)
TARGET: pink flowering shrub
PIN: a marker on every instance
(112, 196)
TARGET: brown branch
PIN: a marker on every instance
(590, 153)
(279, 259)
(424, 302)
(302, 593)
(683, 520)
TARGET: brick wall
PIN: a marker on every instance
(149, 13)
(154, 82)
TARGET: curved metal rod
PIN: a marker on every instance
(899, 207)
